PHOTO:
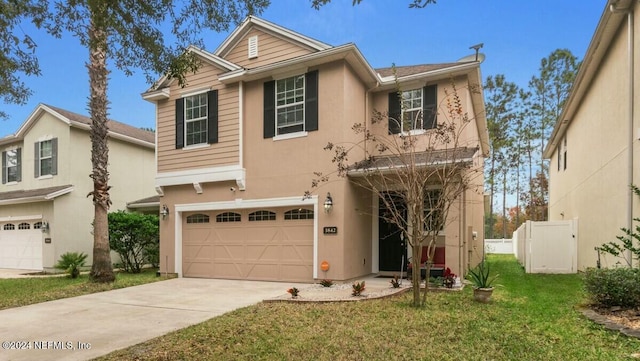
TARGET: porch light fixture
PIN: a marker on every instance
(165, 211)
(328, 203)
(45, 227)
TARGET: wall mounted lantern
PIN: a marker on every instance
(45, 227)
(328, 203)
(165, 211)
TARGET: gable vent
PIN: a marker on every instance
(253, 47)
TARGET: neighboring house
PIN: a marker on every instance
(44, 209)
(239, 145)
(594, 149)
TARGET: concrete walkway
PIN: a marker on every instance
(85, 327)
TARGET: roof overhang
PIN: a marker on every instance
(347, 52)
(390, 164)
(35, 195)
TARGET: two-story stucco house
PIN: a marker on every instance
(44, 209)
(239, 144)
(594, 150)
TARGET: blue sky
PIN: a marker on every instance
(516, 36)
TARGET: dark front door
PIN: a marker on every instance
(391, 243)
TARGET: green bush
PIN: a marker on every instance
(613, 287)
(71, 262)
(135, 237)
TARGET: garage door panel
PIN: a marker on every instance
(280, 250)
(21, 248)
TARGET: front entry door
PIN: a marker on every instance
(392, 246)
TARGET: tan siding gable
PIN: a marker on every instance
(271, 49)
(225, 152)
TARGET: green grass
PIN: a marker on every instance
(532, 317)
(17, 292)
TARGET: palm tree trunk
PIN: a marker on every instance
(101, 270)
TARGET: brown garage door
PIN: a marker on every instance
(264, 244)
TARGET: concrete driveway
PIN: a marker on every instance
(85, 327)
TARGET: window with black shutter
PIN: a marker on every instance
(197, 119)
(291, 105)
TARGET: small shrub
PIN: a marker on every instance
(71, 262)
(326, 283)
(613, 287)
(395, 282)
(134, 237)
(293, 291)
(357, 288)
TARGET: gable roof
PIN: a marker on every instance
(603, 36)
(271, 28)
(117, 130)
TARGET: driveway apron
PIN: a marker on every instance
(85, 327)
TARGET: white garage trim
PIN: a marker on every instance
(242, 204)
(20, 218)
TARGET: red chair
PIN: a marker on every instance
(437, 267)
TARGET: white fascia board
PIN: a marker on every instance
(202, 175)
(240, 203)
(348, 52)
(456, 69)
(213, 58)
(114, 135)
(20, 218)
(389, 169)
(275, 29)
(155, 95)
(58, 193)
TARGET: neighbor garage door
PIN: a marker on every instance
(21, 245)
(264, 244)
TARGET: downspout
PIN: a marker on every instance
(630, 55)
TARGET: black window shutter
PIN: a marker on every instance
(54, 156)
(395, 113)
(269, 119)
(311, 101)
(179, 123)
(36, 163)
(429, 106)
(4, 167)
(212, 116)
(19, 156)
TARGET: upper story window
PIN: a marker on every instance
(291, 105)
(12, 166)
(197, 119)
(46, 154)
(413, 109)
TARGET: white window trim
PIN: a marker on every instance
(303, 103)
(184, 99)
(291, 136)
(195, 146)
(411, 131)
(6, 155)
(40, 159)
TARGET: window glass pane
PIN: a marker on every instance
(196, 119)
(45, 149)
(12, 162)
(228, 217)
(298, 214)
(412, 109)
(198, 218)
(9, 227)
(290, 105)
(262, 216)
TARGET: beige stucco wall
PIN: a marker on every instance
(594, 187)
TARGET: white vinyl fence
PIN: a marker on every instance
(547, 247)
(499, 246)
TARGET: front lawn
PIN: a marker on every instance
(532, 317)
(16, 292)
